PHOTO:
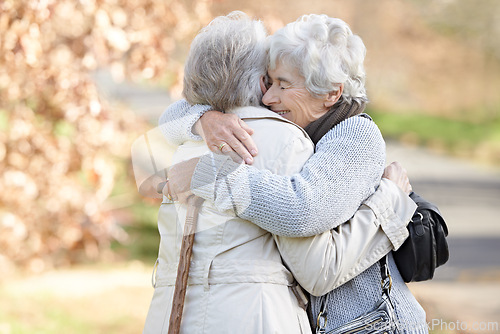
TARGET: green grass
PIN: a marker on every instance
(140, 217)
(35, 305)
(144, 238)
(457, 137)
(44, 314)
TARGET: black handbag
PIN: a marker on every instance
(380, 320)
(426, 247)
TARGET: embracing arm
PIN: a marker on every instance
(323, 262)
(344, 171)
(177, 121)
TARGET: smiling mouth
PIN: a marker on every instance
(282, 112)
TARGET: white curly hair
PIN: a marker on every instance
(326, 53)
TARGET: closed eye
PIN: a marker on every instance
(284, 83)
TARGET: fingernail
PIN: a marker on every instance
(253, 152)
(249, 161)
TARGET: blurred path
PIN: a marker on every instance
(467, 288)
(149, 102)
(468, 194)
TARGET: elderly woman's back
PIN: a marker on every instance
(237, 279)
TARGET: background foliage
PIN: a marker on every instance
(62, 148)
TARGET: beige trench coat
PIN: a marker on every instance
(238, 282)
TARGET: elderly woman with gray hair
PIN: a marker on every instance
(316, 80)
(238, 281)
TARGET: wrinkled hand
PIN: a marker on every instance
(397, 174)
(219, 128)
(151, 187)
(178, 186)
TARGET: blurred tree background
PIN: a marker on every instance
(67, 188)
(64, 151)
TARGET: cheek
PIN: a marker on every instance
(301, 114)
(304, 112)
(314, 108)
(305, 109)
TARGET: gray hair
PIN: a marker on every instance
(225, 63)
(325, 52)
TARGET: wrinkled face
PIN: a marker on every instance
(287, 96)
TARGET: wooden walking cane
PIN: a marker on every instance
(194, 203)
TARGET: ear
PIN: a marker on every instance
(333, 96)
(263, 86)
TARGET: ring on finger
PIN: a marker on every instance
(163, 185)
(221, 146)
(170, 197)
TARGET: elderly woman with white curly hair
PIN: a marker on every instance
(238, 281)
(316, 80)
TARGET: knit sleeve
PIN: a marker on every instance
(344, 171)
(177, 121)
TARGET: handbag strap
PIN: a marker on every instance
(426, 205)
(323, 315)
(386, 284)
(385, 273)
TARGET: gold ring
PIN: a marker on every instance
(221, 146)
(168, 194)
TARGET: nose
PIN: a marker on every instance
(270, 97)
